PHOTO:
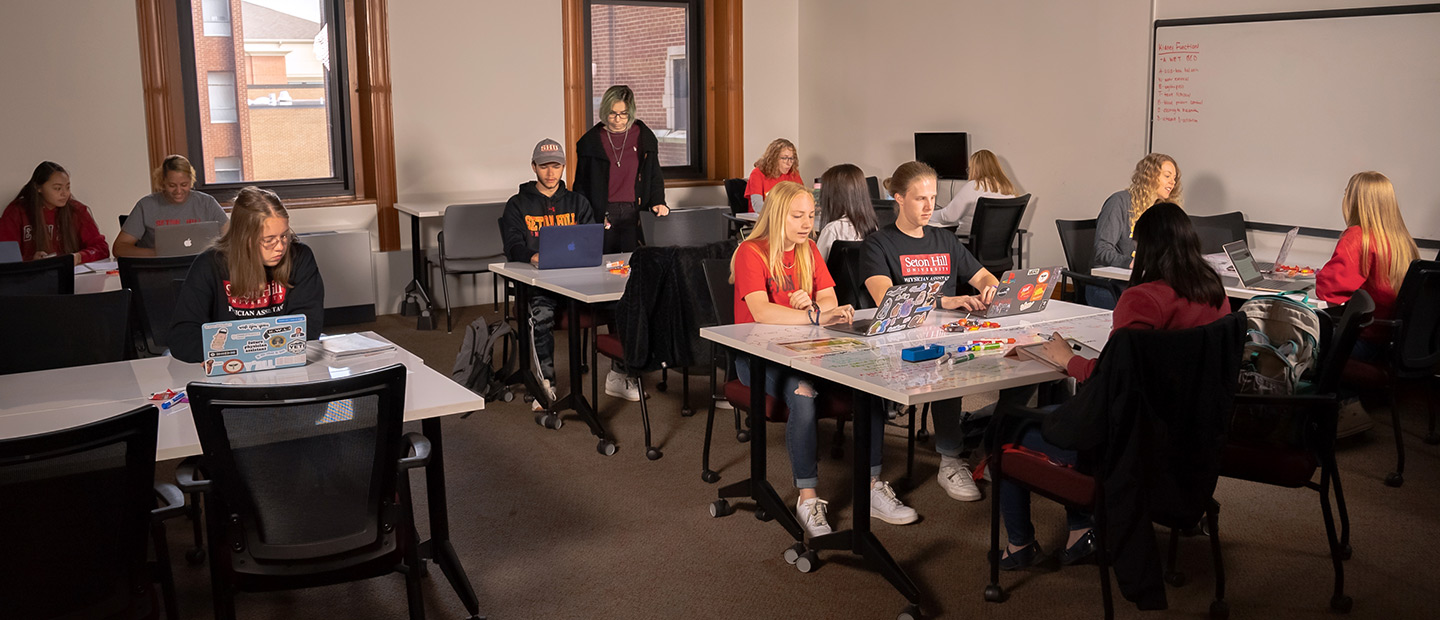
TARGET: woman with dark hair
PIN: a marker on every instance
(616, 150)
(68, 225)
(256, 269)
(1171, 287)
(844, 207)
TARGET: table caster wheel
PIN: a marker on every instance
(1175, 579)
(793, 552)
(762, 515)
(605, 447)
(686, 412)
(1219, 610)
(994, 593)
(556, 422)
(1342, 604)
(1345, 552)
(922, 436)
(720, 508)
(195, 557)
(742, 436)
(662, 386)
(807, 562)
(507, 396)
(911, 612)
(710, 476)
(653, 454)
(540, 419)
(1394, 480)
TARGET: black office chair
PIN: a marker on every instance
(123, 217)
(47, 276)
(1217, 230)
(994, 229)
(473, 244)
(58, 331)
(79, 504)
(873, 184)
(844, 266)
(155, 282)
(307, 484)
(684, 227)
(735, 198)
(885, 213)
(1077, 239)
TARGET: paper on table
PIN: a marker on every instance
(82, 268)
(103, 265)
(1220, 262)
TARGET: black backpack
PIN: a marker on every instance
(474, 364)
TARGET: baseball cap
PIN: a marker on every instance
(548, 151)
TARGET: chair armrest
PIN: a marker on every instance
(173, 499)
(420, 446)
(1386, 322)
(189, 478)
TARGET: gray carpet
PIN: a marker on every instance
(549, 528)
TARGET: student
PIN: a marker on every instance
(987, 180)
(844, 207)
(69, 227)
(1373, 255)
(908, 251)
(255, 269)
(779, 163)
(174, 202)
(780, 279)
(539, 203)
(613, 152)
(1171, 287)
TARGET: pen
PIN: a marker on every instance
(1075, 346)
(978, 347)
(992, 341)
(961, 358)
(178, 398)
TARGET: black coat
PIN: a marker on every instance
(666, 302)
(592, 171)
(1153, 418)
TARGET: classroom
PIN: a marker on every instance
(977, 177)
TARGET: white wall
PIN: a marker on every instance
(772, 77)
(1180, 9)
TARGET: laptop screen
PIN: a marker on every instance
(1244, 263)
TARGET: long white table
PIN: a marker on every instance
(1233, 286)
(51, 400)
(872, 365)
(420, 208)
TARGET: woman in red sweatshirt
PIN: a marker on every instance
(1372, 255)
(68, 226)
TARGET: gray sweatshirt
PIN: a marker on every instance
(1113, 245)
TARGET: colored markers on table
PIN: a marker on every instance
(988, 344)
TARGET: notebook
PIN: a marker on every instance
(1249, 272)
(1023, 292)
(10, 252)
(185, 239)
(248, 345)
(564, 247)
(903, 307)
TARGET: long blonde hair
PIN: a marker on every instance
(1142, 185)
(770, 229)
(985, 170)
(1370, 204)
(769, 163)
(240, 244)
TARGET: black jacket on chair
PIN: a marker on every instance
(1153, 417)
(666, 302)
(592, 171)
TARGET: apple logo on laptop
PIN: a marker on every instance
(187, 242)
(571, 247)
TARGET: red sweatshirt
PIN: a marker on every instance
(15, 226)
(1344, 274)
(1152, 305)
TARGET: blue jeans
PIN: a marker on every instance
(951, 438)
(1015, 500)
(1369, 351)
(542, 320)
(1098, 297)
(800, 430)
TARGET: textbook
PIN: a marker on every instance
(346, 347)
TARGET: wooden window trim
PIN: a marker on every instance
(371, 130)
(724, 140)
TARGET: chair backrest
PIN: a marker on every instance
(77, 517)
(735, 196)
(1333, 354)
(307, 470)
(844, 266)
(474, 231)
(992, 234)
(873, 184)
(1077, 238)
(885, 212)
(684, 227)
(59, 331)
(1416, 349)
(722, 292)
(47, 276)
(1217, 230)
(123, 217)
(152, 280)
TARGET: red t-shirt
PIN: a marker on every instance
(753, 274)
(1152, 305)
(1345, 273)
(15, 225)
(761, 184)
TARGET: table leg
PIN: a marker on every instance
(756, 487)
(438, 549)
(576, 399)
(416, 290)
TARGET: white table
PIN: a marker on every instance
(1233, 287)
(583, 285)
(418, 209)
(51, 400)
(875, 368)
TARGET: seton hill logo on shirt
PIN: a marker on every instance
(272, 298)
(924, 265)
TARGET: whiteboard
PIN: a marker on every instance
(1273, 117)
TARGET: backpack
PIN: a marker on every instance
(474, 363)
(1282, 344)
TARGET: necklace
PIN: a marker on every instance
(788, 266)
(620, 150)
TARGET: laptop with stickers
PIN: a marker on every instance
(1022, 292)
(903, 307)
(248, 345)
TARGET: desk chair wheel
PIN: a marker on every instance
(911, 612)
(720, 508)
(710, 476)
(686, 412)
(1175, 579)
(807, 562)
(653, 454)
(1342, 604)
(922, 436)
(549, 420)
(1219, 610)
(742, 436)
(1346, 551)
(994, 593)
(793, 552)
(1394, 480)
(195, 557)
(762, 515)
(605, 447)
(662, 386)
(507, 396)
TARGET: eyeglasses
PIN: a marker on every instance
(787, 159)
(276, 241)
(618, 115)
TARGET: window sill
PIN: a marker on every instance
(311, 203)
(693, 183)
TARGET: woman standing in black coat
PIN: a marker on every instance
(610, 154)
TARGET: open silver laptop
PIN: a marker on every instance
(1284, 251)
(1249, 272)
(185, 239)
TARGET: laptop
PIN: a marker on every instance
(565, 247)
(1249, 272)
(1284, 251)
(248, 345)
(904, 306)
(10, 252)
(1023, 292)
(185, 239)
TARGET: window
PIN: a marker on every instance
(647, 45)
(269, 103)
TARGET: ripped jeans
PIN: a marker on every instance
(798, 391)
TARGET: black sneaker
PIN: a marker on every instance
(1082, 552)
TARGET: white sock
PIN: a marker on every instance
(950, 461)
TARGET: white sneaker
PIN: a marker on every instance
(721, 403)
(958, 483)
(811, 513)
(621, 386)
(888, 508)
